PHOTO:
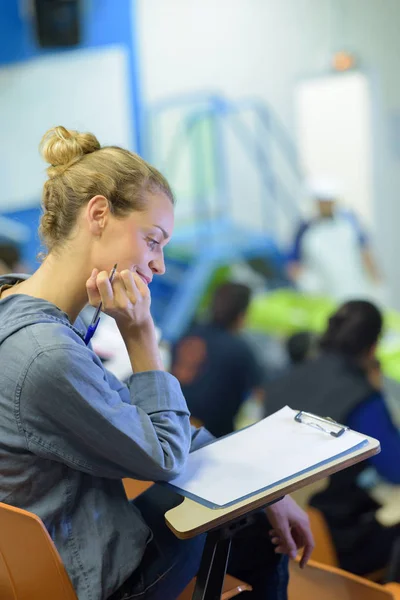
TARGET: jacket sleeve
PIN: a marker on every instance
(200, 437)
(71, 410)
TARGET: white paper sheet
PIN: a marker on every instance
(260, 456)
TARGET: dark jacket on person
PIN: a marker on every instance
(336, 386)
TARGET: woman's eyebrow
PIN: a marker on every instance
(165, 234)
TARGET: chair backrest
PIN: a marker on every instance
(196, 422)
(329, 583)
(324, 550)
(30, 566)
(134, 487)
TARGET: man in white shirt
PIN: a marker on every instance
(331, 255)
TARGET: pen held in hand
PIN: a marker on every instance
(96, 317)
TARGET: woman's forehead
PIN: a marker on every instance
(160, 211)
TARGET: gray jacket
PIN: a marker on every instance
(69, 431)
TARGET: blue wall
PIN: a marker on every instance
(104, 22)
(29, 217)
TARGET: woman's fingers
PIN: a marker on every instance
(91, 288)
(275, 540)
(105, 289)
(304, 539)
(286, 543)
(141, 285)
(124, 298)
(131, 289)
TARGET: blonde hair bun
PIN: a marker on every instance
(61, 147)
(81, 169)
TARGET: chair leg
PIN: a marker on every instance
(210, 578)
(232, 587)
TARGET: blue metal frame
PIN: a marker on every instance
(213, 240)
(274, 194)
(134, 77)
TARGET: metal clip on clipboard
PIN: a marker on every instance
(325, 424)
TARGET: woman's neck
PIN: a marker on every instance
(61, 279)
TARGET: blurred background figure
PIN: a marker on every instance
(300, 347)
(10, 258)
(215, 366)
(344, 382)
(331, 254)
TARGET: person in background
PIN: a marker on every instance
(70, 430)
(215, 366)
(10, 258)
(300, 347)
(331, 255)
(344, 382)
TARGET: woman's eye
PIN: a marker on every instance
(152, 244)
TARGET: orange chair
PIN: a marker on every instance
(321, 582)
(134, 487)
(324, 551)
(196, 422)
(30, 566)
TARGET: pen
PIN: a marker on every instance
(96, 317)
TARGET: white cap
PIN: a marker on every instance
(324, 188)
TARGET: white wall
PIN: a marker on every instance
(82, 89)
(264, 47)
(232, 47)
(235, 46)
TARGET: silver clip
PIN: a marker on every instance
(323, 424)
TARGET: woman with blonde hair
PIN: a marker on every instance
(69, 430)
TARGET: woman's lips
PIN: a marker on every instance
(145, 279)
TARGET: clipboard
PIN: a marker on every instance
(191, 518)
(273, 453)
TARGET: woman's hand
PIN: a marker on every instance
(127, 299)
(290, 529)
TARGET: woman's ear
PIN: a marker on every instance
(97, 214)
